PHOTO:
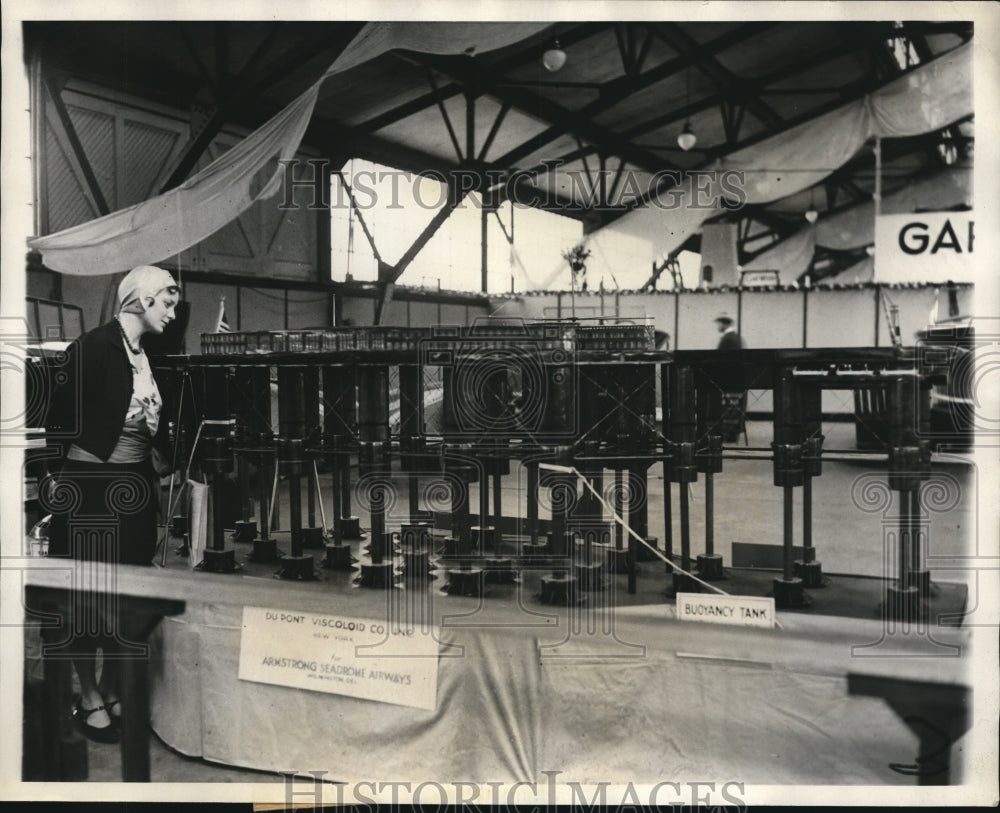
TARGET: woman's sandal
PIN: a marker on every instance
(116, 719)
(108, 734)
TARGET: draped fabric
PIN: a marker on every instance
(924, 100)
(802, 156)
(430, 38)
(514, 702)
(169, 223)
(855, 227)
(791, 257)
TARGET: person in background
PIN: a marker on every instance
(731, 383)
(731, 340)
(104, 492)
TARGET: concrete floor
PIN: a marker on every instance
(849, 528)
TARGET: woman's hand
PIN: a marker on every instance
(161, 463)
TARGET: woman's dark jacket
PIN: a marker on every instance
(92, 397)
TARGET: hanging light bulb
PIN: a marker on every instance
(554, 58)
(687, 139)
(811, 214)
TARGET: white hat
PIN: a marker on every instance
(146, 280)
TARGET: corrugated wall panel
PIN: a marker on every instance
(96, 131)
(145, 154)
(131, 151)
(68, 205)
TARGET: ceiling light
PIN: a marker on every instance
(811, 214)
(554, 58)
(687, 139)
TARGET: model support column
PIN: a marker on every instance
(638, 513)
(415, 534)
(292, 460)
(668, 518)
(246, 529)
(683, 426)
(535, 548)
(312, 534)
(560, 587)
(712, 423)
(482, 531)
(499, 567)
(618, 556)
(339, 427)
(710, 461)
(344, 395)
(215, 452)
(217, 461)
(469, 578)
(909, 467)
(807, 568)
(788, 473)
(254, 443)
(374, 470)
(339, 435)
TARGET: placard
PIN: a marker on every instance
(760, 279)
(357, 657)
(747, 611)
(927, 247)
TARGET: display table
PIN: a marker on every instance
(50, 596)
(639, 697)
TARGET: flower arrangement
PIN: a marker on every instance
(577, 257)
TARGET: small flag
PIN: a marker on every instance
(222, 324)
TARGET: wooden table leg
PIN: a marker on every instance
(135, 719)
(65, 747)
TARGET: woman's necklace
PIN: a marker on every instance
(135, 352)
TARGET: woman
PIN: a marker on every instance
(106, 417)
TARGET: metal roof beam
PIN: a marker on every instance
(616, 90)
(732, 88)
(389, 274)
(860, 91)
(247, 85)
(524, 57)
(760, 84)
(471, 75)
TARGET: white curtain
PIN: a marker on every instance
(924, 100)
(169, 223)
(855, 227)
(791, 256)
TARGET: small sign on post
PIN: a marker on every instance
(747, 611)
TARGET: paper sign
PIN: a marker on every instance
(925, 247)
(747, 611)
(357, 657)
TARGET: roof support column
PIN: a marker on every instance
(388, 274)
